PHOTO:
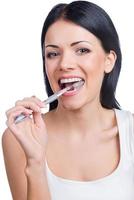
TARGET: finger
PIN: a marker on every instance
(36, 100)
(38, 120)
(17, 108)
(11, 120)
(29, 104)
(9, 111)
(12, 116)
(19, 130)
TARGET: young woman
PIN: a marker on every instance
(83, 148)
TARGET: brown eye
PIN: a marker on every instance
(83, 51)
(52, 54)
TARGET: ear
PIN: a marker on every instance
(110, 61)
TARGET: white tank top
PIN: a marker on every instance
(119, 185)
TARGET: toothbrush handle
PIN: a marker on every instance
(50, 99)
(20, 118)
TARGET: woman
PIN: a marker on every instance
(83, 147)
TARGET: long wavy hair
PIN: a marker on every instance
(94, 19)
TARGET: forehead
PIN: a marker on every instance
(66, 32)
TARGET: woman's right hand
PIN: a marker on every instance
(31, 133)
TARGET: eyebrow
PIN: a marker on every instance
(72, 44)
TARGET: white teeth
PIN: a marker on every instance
(69, 80)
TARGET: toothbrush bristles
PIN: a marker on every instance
(75, 85)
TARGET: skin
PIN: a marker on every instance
(80, 131)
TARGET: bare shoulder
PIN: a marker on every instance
(15, 163)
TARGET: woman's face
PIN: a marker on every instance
(73, 53)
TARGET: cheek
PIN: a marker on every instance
(94, 67)
(49, 69)
(51, 74)
(94, 71)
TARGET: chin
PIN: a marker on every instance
(72, 106)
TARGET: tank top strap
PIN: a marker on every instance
(125, 123)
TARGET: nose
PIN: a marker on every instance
(67, 62)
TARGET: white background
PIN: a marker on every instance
(21, 63)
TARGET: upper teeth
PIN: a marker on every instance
(69, 80)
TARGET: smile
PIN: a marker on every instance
(65, 82)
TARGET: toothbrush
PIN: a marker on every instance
(53, 98)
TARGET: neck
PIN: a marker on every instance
(84, 120)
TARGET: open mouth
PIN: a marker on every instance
(65, 82)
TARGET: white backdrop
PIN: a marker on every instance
(20, 56)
